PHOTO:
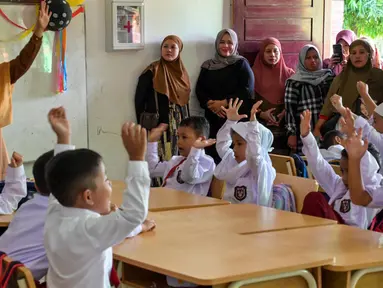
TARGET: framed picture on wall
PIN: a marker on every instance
(125, 25)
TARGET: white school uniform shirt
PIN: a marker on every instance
(79, 242)
(332, 184)
(250, 181)
(194, 175)
(333, 152)
(15, 189)
(370, 134)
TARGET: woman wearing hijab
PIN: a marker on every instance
(164, 88)
(270, 74)
(226, 76)
(306, 89)
(345, 38)
(359, 68)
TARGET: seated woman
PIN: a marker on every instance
(306, 89)
(226, 76)
(345, 38)
(359, 68)
(164, 88)
(270, 74)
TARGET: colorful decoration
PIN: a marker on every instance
(61, 14)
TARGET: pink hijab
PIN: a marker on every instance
(347, 36)
(270, 80)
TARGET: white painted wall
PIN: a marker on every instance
(112, 77)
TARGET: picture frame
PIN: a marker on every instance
(124, 25)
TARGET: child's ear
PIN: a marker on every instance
(87, 197)
(337, 140)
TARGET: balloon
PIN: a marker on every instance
(61, 14)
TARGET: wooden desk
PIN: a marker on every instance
(235, 218)
(163, 199)
(5, 220)
(216, 259)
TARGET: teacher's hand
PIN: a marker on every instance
(215, 105)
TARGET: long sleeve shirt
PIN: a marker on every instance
(193, 175)
(14, 190)
(333, 185)
(250, 181)
(79, 241)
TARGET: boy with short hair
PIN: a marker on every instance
(77, 238)
(193, 170)
(335, 203)
(331, 145)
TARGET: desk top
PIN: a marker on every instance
(5, 220)
(235, 218)
(163, 199)
(214, 258)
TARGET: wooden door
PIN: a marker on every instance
(293, 22)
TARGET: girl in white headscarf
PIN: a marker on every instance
(247, 168)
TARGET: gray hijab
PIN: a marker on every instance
(306, 76)
(220, 62)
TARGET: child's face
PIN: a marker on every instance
(98, 200)
(378, 122)
(186, 139)
(344, 169)
(239, 148)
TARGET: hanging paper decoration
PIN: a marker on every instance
(61, 73)
(75, 2)
(61, 15)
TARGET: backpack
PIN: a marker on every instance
(377, 223)
(283, 198)
(301, 167)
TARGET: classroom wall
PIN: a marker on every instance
(112, 77)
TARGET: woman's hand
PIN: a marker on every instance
(269, 117)
(215, 107)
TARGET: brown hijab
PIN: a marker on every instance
(171, 78)
(345, 83)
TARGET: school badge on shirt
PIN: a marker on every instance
(179, 179)
(240, 192)
(345, 206)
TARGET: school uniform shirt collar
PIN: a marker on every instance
(76, 212)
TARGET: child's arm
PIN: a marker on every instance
(261, 167)
(223, 136)
(363, 92)
(194, 170)
(105, 231)
(157, 168)
(20, 65)
(321, 169)
(15, 187)
(148, 225)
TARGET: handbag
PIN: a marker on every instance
(150, 120)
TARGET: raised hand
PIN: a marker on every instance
(60, 124)
(254, 110)
(202, 144)
(156, 133)
(134, 140)
(16, 160)
(43, 19)
(355, 146)
(362, 88)
(305, 123)
(336, 101)
(349, 123)
(232, 110)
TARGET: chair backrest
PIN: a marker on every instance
(283, 164)
(22, 277)
(217, 188)
(300, 186)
